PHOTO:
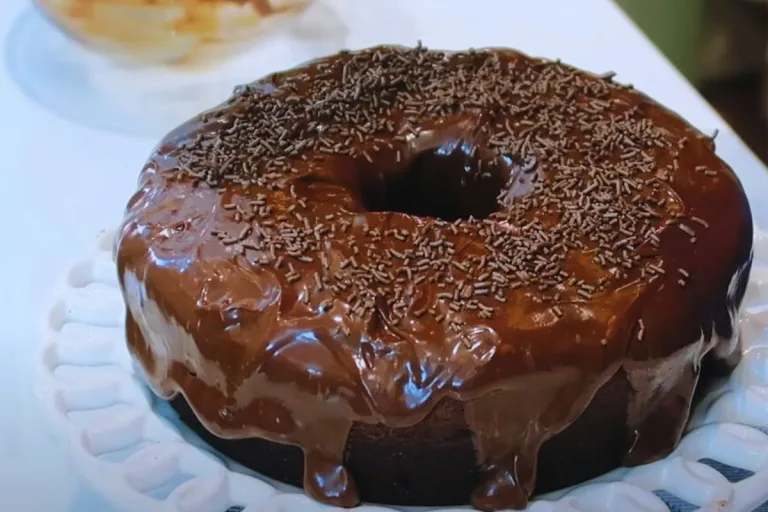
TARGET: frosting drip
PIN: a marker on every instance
(336, 325)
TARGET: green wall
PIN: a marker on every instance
(675, 26)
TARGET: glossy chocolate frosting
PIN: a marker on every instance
(356, 240)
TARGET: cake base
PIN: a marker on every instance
(434, 463)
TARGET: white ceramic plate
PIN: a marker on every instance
(132, 449)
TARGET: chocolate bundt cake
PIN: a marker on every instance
(420, 277)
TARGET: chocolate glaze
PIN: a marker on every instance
(252, 359)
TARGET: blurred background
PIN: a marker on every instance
(151, 63)
(721, 46)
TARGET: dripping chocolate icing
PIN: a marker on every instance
(566, 233)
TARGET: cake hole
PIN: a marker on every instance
(731, 473)
(453, 181)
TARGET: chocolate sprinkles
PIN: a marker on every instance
(590, 172)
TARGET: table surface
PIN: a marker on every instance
(64, 183)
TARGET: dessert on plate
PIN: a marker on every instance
(419, 277)
(168, 32)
